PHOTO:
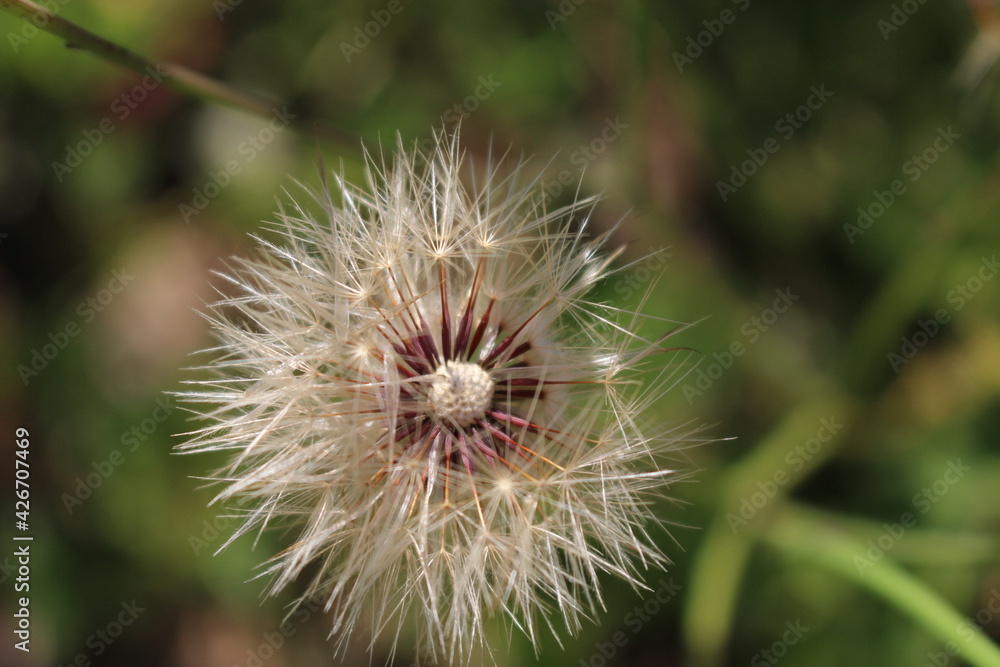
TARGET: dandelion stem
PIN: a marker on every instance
(799, 535)
(935, 547)
(725, 551)
(178, 77)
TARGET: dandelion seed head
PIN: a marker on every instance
(418, 382)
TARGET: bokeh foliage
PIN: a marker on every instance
(546, 79)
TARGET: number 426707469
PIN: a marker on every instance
(21, 474)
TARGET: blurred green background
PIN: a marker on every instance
(823, 176)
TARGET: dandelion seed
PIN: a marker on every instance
(418, 383)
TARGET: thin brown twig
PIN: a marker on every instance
(178, 77)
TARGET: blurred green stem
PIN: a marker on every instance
(914, 283)
(180, 78)
(891, 310)
(718, 570)
(923, 546)
(800, 535)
